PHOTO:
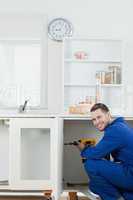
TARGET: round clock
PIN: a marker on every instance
(59, 28)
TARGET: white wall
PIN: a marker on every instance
(90, 18)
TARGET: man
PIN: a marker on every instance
(110, 179)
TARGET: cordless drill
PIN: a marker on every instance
(86, 141)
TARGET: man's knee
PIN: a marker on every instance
(91, 167)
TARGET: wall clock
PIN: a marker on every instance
(60, 28)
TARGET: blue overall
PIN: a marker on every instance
(111, 179)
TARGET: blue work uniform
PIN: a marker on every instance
(111, 179)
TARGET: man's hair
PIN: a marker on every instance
(101, 106)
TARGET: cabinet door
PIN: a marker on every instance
(32, 153)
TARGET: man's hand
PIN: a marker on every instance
(81, 146)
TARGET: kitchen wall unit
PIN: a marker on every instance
(93, 69)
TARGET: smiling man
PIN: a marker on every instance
(110, 179)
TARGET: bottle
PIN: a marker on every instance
(98, 91)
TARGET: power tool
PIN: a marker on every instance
(88, 142)
(85, 141)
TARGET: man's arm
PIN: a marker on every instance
(111, 141)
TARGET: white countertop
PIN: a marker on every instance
(45, 114)
(28, 113)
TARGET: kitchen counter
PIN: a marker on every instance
(27, 113)
(45, 114)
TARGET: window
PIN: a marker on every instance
(23, 61)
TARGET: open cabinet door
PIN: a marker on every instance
(58, 188)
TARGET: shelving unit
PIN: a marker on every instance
(83, 59)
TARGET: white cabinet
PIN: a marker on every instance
(4, 154)
(93, 69)
(32, 150)
(31, 153)
(35, 157)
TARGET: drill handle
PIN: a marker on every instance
(72, 143)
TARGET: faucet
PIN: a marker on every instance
(22, 108)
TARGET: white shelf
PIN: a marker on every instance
(111, 85)
(82, 39)
(69, 60)
(93, 85)
(76, 85)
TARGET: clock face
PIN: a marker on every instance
(59, 28)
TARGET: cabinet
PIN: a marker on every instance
(35, 157)
(93, 70)
(4, 154)
(31, 147)
(32, 153)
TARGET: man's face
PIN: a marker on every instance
(100, 119)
